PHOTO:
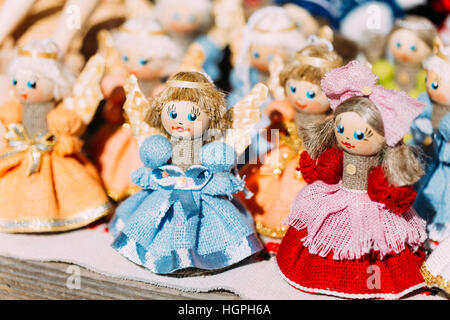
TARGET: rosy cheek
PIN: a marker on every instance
(438, 96)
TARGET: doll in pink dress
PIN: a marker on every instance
(353, 232)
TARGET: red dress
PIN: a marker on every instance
(352, 243)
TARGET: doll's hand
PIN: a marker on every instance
(396, 199)
(68, 145)
(329, 166)
(308, 168)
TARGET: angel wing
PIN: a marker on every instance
(276, 65)
(136, 108)
(193, 59)
(246, 114)
(87, 93)
(109, 52)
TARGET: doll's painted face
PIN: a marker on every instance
(260, 56)
(181, 19)
(407, 47)
(356, 136)
(184, 119)
(306, 97)
(29, 87)
(438, 89)
(145, 67)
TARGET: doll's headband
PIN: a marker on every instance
(290, 28)
(38, 54)
(188, 84)
(414, 25)
(152, 33)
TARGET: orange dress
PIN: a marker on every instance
(275, 181)
(115, 151)
(63, 193)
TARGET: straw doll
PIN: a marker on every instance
(142, 48)
(436, 270)
(46, 184)
(409, 43)
(185, 217)
(432, 130)
(269, 32)
(276, 182)
(352, 230)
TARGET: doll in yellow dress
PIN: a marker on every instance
(46, 184)
(276, 181)
(409, 43)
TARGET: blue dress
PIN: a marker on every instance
(184, 219)
(433, 199)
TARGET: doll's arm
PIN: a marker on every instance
(11, 112)
(67, 126)
(384, 70)
(87, 94)
(11, 14)
(327, 168)
(421, 128)
(282, 106)
(396, 199)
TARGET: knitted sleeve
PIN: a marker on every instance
(328, 167)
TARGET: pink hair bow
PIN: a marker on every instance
(397, 109)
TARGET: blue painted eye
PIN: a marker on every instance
(192, 117)
(143, 62)
(358, 135)
(14, 82)
(31, 84)
(176, 16)
(340, 129)
(191, 19)
(125, 58)
(398, 44)
(256, 54)
(434, 85)
(310, 94)
(173, 114)
(413, 48)
(293, 89)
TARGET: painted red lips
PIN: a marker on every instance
(348, 145)
(180, 129)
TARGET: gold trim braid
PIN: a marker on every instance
(277, 233)
(433, 281)
(38, 54)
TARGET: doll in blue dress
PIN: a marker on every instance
(185, 215)
(431, 131)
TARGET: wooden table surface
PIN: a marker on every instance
(22, 279)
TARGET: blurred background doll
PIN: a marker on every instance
(410, 42)
(184, 216)
(275, 182)
(356, 215)
(436, 270)
(46, 184)
(269, 32)
(140, 47)
(205, 22)
(431, 130)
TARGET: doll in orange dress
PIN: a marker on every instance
(46, 184)
(276, 181)
(139, 47)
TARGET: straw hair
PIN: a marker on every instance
(298, 67)
(207, 97)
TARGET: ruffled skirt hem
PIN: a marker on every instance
(366, 278)
(179, 259)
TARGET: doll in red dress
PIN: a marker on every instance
(353, 232)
